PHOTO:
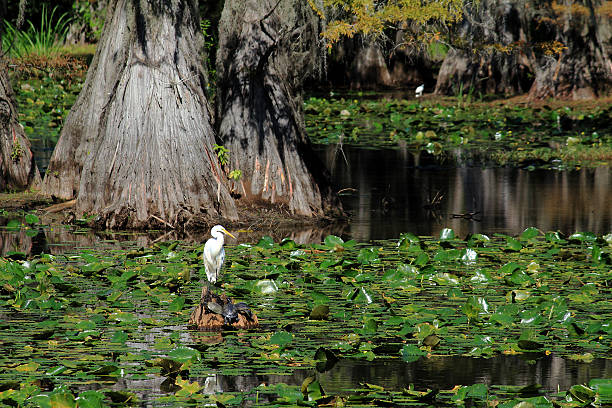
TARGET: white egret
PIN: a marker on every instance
(214, 254)
(419, 91)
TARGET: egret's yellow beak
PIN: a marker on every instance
(228, 233)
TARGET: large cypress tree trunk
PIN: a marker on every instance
(559, 49)
(488, 59)
(583, 70)
(137, 145)
(266, 49)
(17, 168)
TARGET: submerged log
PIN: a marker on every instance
(206, 319)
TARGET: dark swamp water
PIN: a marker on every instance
(547, 375)
(551, 373)
(386, 193)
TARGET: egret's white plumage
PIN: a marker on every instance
(419, 91)
(214, 254)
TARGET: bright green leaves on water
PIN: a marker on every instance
(494, 133)
(402, 299)
(598, 392)
(281, 339)
(474, 307)
(178, 360)
(411, 353)
(335, 243)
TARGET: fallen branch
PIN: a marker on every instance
(60, 206)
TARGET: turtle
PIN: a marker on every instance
(230, 311)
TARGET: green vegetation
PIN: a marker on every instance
(118, 312)
(46, 39)
(46, 88)
(487, 133)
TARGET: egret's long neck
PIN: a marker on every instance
(220, 238)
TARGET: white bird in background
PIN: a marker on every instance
(419, 91)
(214, 254)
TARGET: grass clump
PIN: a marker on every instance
(45, 39)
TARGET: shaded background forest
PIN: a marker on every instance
(545, 48)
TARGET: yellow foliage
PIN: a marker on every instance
(316, 9)
(370, 18)
(551, 47)
(573, 9)
(605, 9)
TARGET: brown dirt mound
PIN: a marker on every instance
(204, 319)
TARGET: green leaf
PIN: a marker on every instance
(603, 388)
(367, 256)
(520, 278)
(28, 367)
(31, 219)
(319, 298)
(185, 354)
(411, 353)
(62, 400)
(119, 337)
(177, 304)
(320, 312)
(582, 393)
(509, 268)
(334, 243)
(530, 233)
(281, 338)
(421, 259)
(370, 327)
(478, 240)
(583, 237)
(407, 241)
(13, 225)
(266, 287)
(503, 319)
(265, 242)
(513, 244)
(90, 399)
(553, 237)
(124, 317)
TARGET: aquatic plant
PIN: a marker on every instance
(119, 311)
(45, 39)
(488, 133)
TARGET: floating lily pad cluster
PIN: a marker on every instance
(44, 104)
(487, 133)
(116, 316)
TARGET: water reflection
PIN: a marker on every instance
(395, 191)
(551, 373)
(388, 192)
(60, 239)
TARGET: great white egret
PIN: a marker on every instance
(214, 254)
(419, 91)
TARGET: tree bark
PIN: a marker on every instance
(486, 28)
(515, 43)
(266, 49)
(18, 170)
(137, 145)
(583, 70)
